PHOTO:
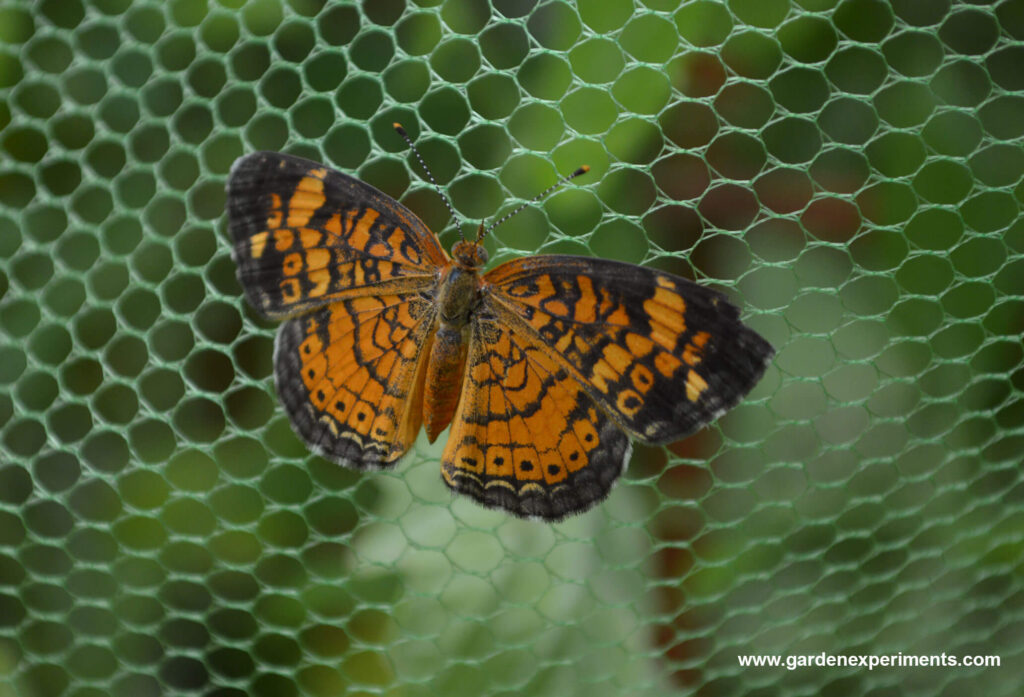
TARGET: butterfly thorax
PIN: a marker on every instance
(456, 295)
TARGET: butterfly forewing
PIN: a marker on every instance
(661, 354)
(305, 235)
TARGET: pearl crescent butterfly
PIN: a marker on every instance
(545, 367)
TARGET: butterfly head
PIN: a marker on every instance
(470, 253)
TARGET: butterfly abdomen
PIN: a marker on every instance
(444, 379)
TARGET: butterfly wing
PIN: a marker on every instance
(352, 271)
(305, 236)
(350, 377)
(526, 437)
(661, 355)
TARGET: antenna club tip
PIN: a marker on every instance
(582, 170)
(398, 127)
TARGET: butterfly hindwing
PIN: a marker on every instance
(661, 354)
(305, 235)
(349, 377)
(526, 437)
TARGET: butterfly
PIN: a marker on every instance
(544, 367)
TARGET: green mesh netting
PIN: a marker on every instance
(850, 172)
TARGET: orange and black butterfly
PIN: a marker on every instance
(545, 367)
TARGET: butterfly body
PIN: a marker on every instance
(544, 367)
(457, 295)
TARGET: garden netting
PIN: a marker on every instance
(849, 173)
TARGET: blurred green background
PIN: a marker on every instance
(849, 172)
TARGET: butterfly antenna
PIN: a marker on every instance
(412, 146)
(561, 182)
